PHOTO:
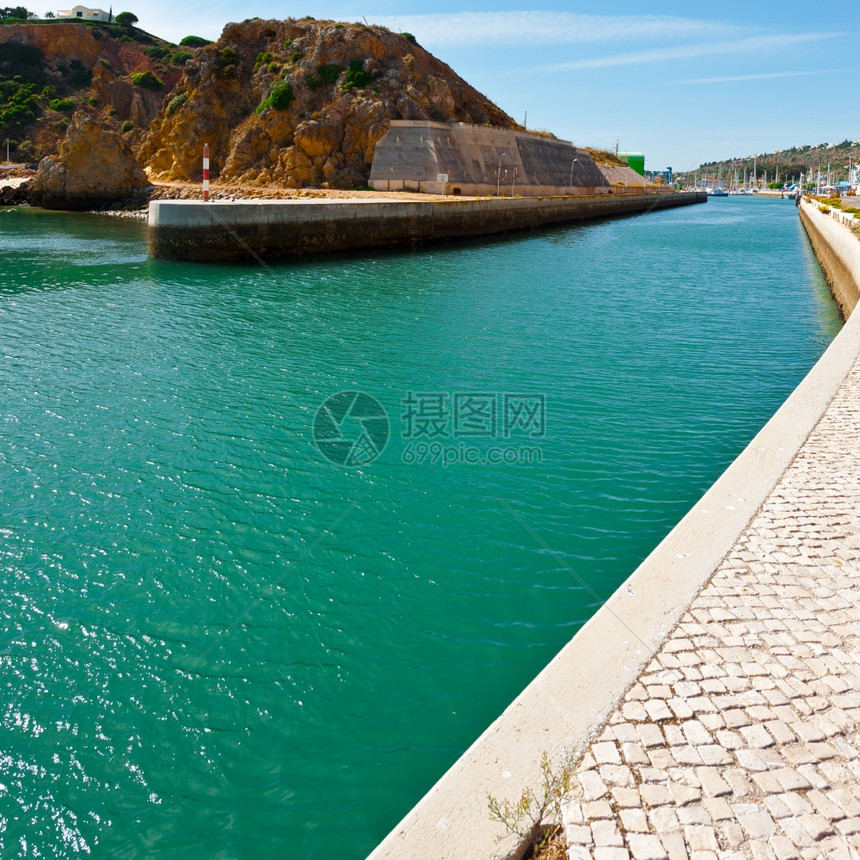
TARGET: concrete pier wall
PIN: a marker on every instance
(836, 249)
(193, 230)
(568, 703)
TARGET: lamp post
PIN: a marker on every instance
(499, 175)
(570, 184)
(513, 181)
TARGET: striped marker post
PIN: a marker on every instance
(205, 172)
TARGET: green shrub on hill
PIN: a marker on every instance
(20, 102)
(16, 115)
(147, 80)
(329, 72)
(156, 52)
(176, 102)
(356, 76)
(227, 63)
(195, 42)
(61, 104)
(180, 58)
(280, 97)
(262, 59)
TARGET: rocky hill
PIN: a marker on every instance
(302, 102)
(49, 70)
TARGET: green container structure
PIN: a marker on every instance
(635, 160)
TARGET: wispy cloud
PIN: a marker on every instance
(731, 78)
(749, 45)
(545, 28)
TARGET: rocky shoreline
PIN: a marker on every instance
(16, 190)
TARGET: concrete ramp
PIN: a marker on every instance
(474, 160)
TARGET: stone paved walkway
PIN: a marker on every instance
(741, 739)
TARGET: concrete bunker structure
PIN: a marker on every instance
(476, 160)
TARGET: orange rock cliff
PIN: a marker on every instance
(302, 103)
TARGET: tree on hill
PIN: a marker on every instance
(195, 42)
(127, 19)
(16, 12)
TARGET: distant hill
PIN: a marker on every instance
(49, 69)
(790, 162)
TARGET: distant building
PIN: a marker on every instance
(85, 13)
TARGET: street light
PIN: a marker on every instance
(499, 174)
(570, 184)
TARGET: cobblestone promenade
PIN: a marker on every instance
(741, 738)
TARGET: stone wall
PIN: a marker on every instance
(481, 161)
(838, 251)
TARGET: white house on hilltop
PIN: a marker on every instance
(86, 14)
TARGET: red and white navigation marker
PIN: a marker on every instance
(205, 172)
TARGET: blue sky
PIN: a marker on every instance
(682, 86)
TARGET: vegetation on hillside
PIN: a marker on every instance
(41, 88)
(604, 156)
(792, 162)
(24, 90)
(16, 13)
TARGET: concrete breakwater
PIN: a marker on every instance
(235, 230)
(740, 562)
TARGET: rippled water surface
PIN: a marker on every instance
(216, 643)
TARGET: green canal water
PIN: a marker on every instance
(219, 643)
